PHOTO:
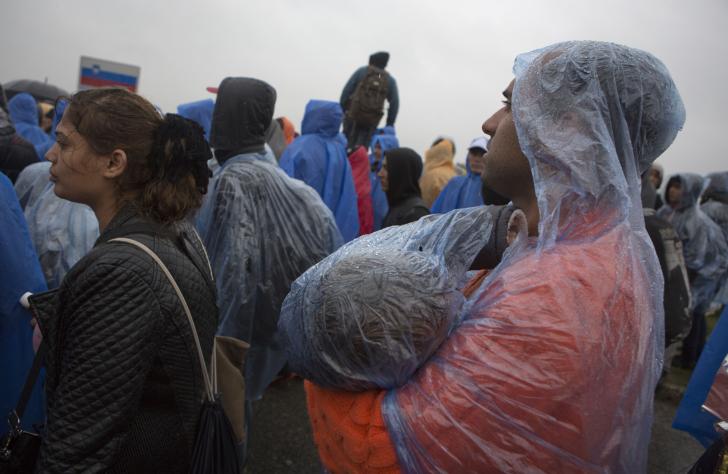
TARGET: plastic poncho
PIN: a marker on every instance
(31, 182)
(715, 206)
(262, 230)
(379, 197)
(200, 111)
(462, 191)
(370, 314)
(704, 246)
(360, 170)
(23, 111)
(21, 273)
(554, 367)
(318, 158)
(439, 170)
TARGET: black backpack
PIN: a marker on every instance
(367, 102)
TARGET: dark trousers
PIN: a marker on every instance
(357, 135)
(695, 340)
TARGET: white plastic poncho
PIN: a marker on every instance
(554, 368)
(262, 230)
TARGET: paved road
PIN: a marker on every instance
(282, 443)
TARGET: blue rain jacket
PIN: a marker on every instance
(462, 191)
(380, 204)
(200, 111)
(62, 231)
(21, 273)
(23, 111)
(318, 158)
(262, 230)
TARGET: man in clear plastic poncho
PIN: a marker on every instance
(465, 191)
(704, 248)
(262, 229)
(554, 367)
(715, 206)
(318, 158)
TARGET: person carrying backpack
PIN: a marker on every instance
(363, 101)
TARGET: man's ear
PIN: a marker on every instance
(115, 164)
(517, 225)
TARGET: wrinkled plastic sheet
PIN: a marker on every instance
(370, 314)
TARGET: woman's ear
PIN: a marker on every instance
(115, 164)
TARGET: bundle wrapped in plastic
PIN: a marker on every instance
(370, 314)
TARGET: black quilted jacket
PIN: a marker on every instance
(123, 383)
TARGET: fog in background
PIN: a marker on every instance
(451, 58)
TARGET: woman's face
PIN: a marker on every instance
(76, 170)
(384, 176)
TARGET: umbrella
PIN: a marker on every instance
(39, 90)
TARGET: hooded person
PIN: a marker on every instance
(439, 169)
(554, 366)
(276, 139)
(15, 152)
(704, 248)
(360, 170)
(399, 176)
(21, 273)
(23, 111)
(381, 143)
(199, 111)
(465, 191)
(289, 130)
(318, 158)
(715, 206)
(262, 229)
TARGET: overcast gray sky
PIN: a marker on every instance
(451, 58)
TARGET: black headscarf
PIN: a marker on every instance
(404, 168)
(243, 111)
(379, 59)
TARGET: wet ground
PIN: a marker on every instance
(282, 441)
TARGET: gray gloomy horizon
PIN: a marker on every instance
(450, 59)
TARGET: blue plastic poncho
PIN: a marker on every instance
(704, 246)
(21, 273)
(690, 416)
(23, 111)
(555, 365)
(62, 231)
(462, 191)
(318, 158)
(370, 314)
(716, 207)
(262, 230)
(200, 111)
(380, 204)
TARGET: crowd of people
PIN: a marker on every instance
(515, 315)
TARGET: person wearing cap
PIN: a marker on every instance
(357, 130)
(465, 191)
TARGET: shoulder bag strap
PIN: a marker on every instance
(170, 278)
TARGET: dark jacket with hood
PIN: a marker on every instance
(404, 167)
(15, 152)
(124, 387)
(240, 121)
